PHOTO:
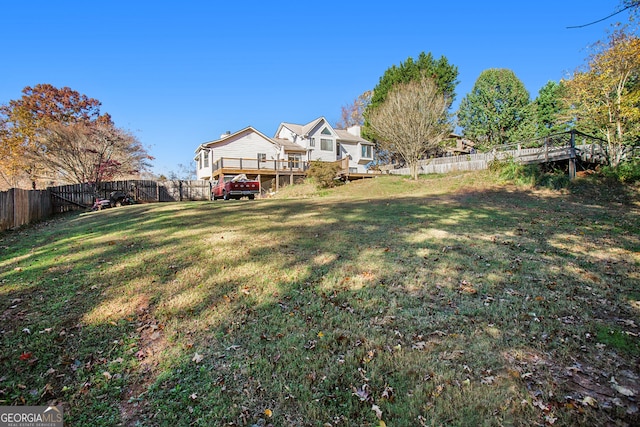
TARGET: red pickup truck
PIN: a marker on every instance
(235, 187)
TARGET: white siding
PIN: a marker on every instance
(318, 153)
(286, 133)
(353, 150)
(244, 146)
(204, 172)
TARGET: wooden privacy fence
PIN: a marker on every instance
(71, 197)
(19, 207)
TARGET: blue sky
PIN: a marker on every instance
(180, 73)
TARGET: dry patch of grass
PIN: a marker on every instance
(447, 301)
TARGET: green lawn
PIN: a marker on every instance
(454, 300)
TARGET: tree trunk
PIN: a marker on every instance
(414, 167)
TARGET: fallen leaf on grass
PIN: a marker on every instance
(197, 358)
(488, 380)
(467, 288)
(268, 413)
(387, 393)
(25, 356)
(377, 410)
(420, 345)
(590, 401)
(193, 396)
(623, 390)
(362, 392)
(107, 375)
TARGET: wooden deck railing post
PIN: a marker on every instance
(572, 155)
(546, 150)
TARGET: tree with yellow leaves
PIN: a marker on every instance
(604, 98)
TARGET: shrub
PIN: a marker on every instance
(510, 170)
(324, 173)
(626, 172)
(529, 175)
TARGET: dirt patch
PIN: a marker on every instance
(151, 343)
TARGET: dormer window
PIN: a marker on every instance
(326, 131)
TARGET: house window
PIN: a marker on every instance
(366, 152)
(312, 142)
(353, 170)
(326, 144)
(262, 157)
(326, 131)
(294, 161)
(206, 159)
(200, 161)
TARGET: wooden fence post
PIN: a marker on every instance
(572, 155)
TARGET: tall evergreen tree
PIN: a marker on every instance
(497, 110)
(550, 109)
(441, 71)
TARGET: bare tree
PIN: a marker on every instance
(412, 121)
(353, 114)
(91, 152)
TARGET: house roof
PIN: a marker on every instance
(288, 145)
(344, 135)
(233, 135)
(302, 130)
(285, 143)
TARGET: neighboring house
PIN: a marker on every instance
(463, 145)
(250, 151)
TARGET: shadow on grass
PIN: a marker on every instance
(441, 309)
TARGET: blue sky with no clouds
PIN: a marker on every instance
(180, 73)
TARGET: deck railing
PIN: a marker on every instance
(256, 164)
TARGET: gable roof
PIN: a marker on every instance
(280, 143)
(302, 130)
(234, 135)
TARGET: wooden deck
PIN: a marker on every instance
(274, 174)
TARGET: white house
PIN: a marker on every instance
(291, 148)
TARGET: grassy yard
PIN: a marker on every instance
(454, 300)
